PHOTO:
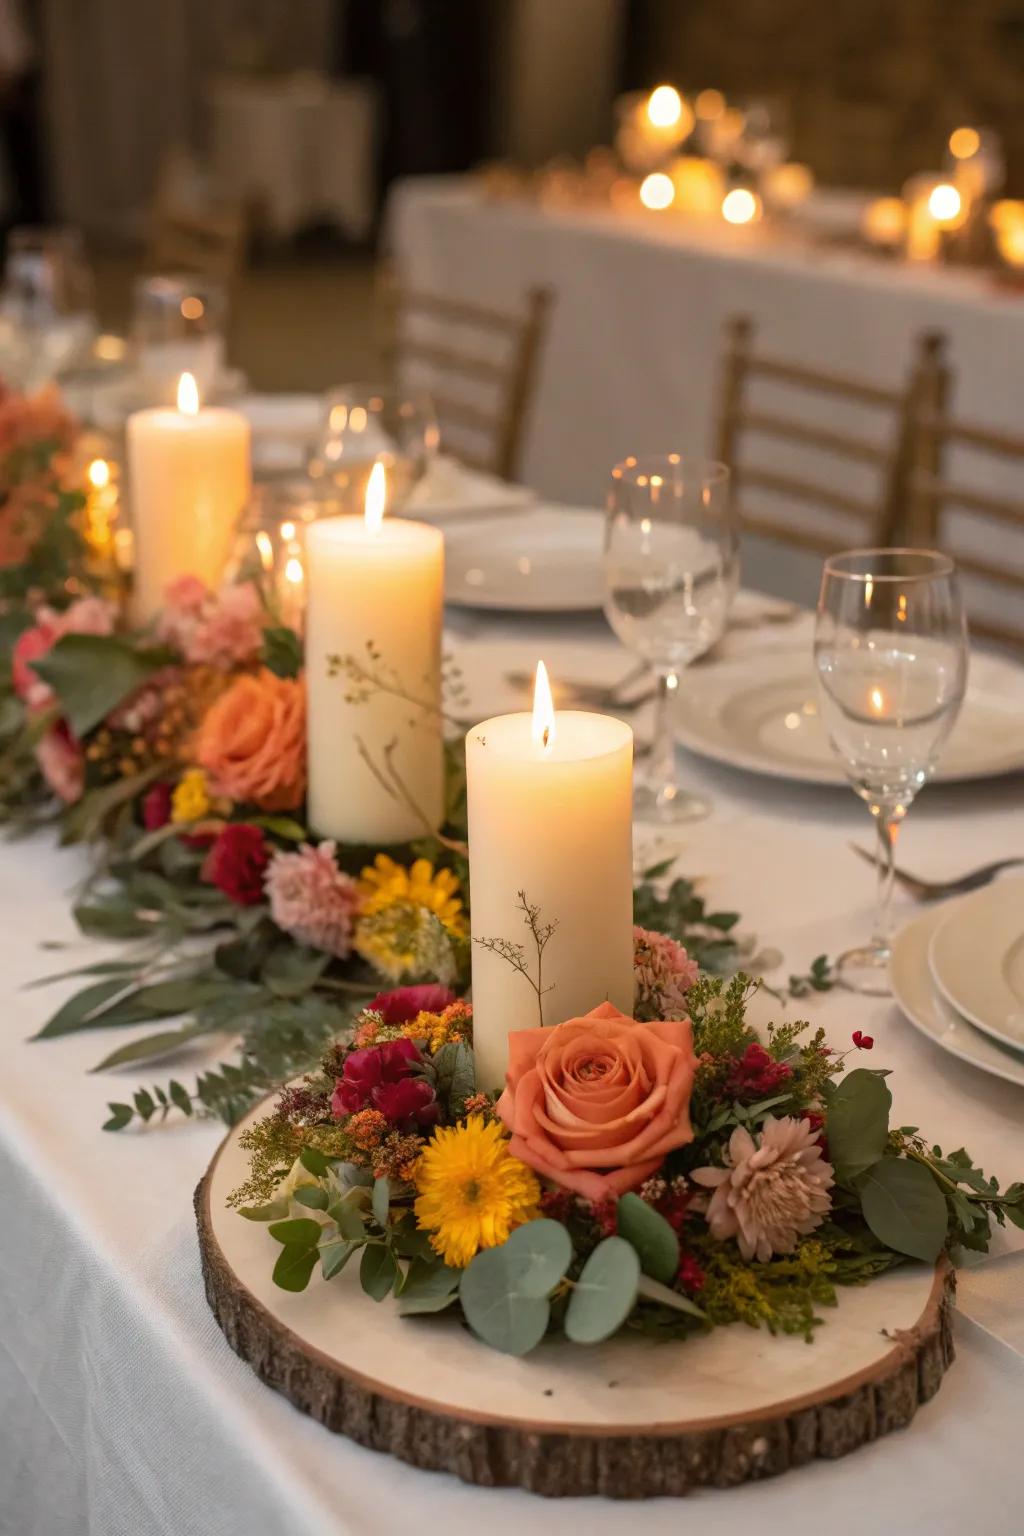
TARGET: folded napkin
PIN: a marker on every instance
(990, 1296)
(450, 489)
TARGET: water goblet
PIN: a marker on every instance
(671, 560)
(890, 653)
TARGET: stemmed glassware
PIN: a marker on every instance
(890, 653)
(46, 308)
(365, 424)
(178, 326)
(671, 571)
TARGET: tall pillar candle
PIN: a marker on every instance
(375, 597)
(189, 479)
(550, 825)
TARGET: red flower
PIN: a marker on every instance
(404, 1003)
(817, 1123)
(861, 1041)
(382, 1077)
(156, 807)
(689, 1276)
(755, 1074)
(236, 862)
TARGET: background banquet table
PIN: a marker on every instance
(630, 364)
(124, 1410)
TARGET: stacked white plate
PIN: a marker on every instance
(958, 975)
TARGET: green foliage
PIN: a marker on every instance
(904, 1208)
(819, 978)
(656, 1245)
(505, 1291)
(92, 674)
(605, 1293)
(858, 1123)
(282, 651)
(682, 914)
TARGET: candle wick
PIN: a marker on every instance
(546, 737)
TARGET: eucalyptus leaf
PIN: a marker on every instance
(295, 1265)
(428, 1287)
(274, 1210)
(301, 1231)
(857, 1123)
(455, 1076)
(538, 1254)
(285, 827)
(657, 1246)
(345, 1213)
(335, 1253)
(291, 971)
(501, 1316)
(381, 1201)
(311, 1196)
(120, 1116)
(314, 1161)
(653, 1290)
(605, 1293)
(79, 1010)
(377, 1271)
(904, 1207)
(92, 674)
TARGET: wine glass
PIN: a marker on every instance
(890, 652)
(178, 326)
(671, 556)
(48, 318)
(367, 423)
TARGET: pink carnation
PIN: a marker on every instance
(62, 762)
(216, 629)
(312, 899)
(87, 616)
(663, 973)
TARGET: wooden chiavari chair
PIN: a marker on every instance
(191, 228)
(982, 529)
(808, 510)
(480, 366)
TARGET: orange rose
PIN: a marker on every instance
(595, 1104)
(252, 742)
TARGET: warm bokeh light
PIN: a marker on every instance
(964, 142)
(266, 550)
(876, 699)
(884, 221)
(287, 531)
(110, 349)
(293, 572)
(664, 106)
(376, 497)
(543, 709)
(709, 105)
(741, 206)
(1010, 244)
(699, 184)
(357, 419)
(788, 185)
(944, 203)
(657, 190)
(188, 395)
(1007, 213)
(99, 474)
(193, 308)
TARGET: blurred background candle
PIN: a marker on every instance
(189, 480)
(550, 815)
(375, 593)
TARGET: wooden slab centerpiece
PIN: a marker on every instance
(630, 1418)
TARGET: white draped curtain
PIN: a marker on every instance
(125, 79)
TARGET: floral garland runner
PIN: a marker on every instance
(667, 1172)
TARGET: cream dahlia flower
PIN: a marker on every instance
(772, 1191)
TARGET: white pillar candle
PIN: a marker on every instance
(550, 816)
(375, 594)
(189, 476)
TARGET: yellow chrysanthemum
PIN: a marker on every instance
(387, 884)
(472, 1191)
(191, 800)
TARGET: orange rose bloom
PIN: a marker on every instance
(252, 742)
(595, 1104)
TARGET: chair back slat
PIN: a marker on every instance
(479, 364)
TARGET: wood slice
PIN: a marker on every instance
(627, 1419)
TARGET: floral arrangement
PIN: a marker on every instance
(667, 1173)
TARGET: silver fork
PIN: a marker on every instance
(935, 890)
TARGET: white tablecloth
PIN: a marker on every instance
(631, 361)
(124, 1413)
(301, 148)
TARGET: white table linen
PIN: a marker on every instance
(631, 361)
(124, 1412)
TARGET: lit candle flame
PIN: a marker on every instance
(188, 395)
(376, 496)
(543, 710)
(99, 474)
(664, 106)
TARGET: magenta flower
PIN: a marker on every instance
(382, 1077)
(403, 1004)
(312, 899)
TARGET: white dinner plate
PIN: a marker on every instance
(761, 713)
(928, 1011)
(543, 559)
(976, 956)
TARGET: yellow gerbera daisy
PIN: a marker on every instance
(472, 1191)
(191, 799)
(387, 884)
